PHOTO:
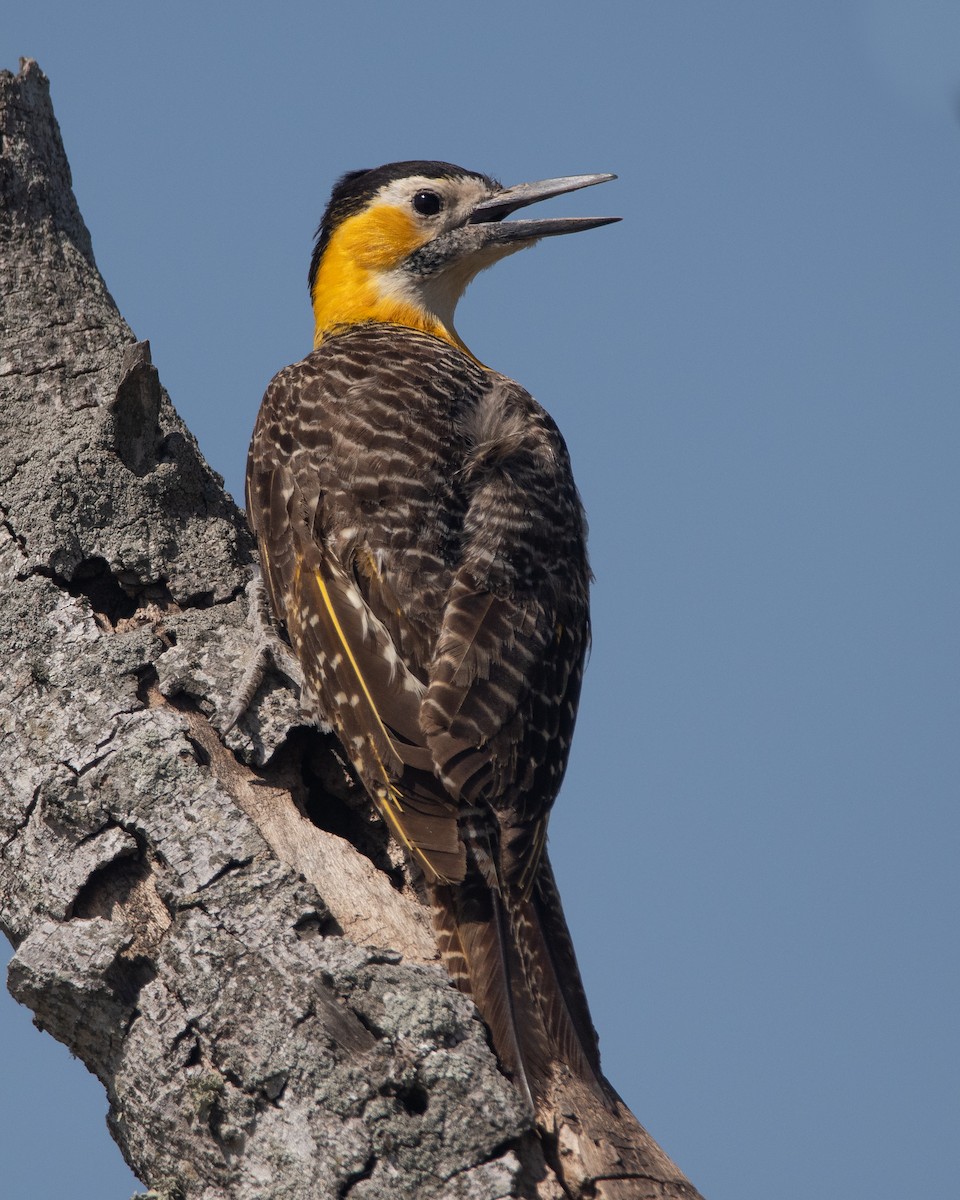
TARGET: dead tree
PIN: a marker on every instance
(214, 923)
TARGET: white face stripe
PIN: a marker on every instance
(437, 294)
(460, 197)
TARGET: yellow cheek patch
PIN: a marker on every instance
(379, 238)
(365, 248)
(352, 283)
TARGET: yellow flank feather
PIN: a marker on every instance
(353, 283)
(342, 637)
(390, 796)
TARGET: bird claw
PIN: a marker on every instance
(271, 652)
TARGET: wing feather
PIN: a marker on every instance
(352, 668)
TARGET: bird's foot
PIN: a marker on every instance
(270, 652)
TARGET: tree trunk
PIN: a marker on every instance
(213, 923)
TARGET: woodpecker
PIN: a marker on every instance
(424, 546)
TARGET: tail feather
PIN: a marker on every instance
(555, 973)
(511, 951)
(476, 946)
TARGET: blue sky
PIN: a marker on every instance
(758, 375)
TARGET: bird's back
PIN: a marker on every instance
(438, 487)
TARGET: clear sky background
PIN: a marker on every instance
(758, 375)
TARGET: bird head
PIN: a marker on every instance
(400, 243)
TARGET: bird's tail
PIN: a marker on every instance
(509, 948)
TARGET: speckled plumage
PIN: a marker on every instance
(424, 544)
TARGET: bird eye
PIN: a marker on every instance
(427, 204)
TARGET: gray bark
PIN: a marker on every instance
(213, 923)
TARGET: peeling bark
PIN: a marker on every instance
(214, 923)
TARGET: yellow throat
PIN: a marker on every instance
(360, 277)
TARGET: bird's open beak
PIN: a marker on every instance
(491, 212)
(486, 237)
